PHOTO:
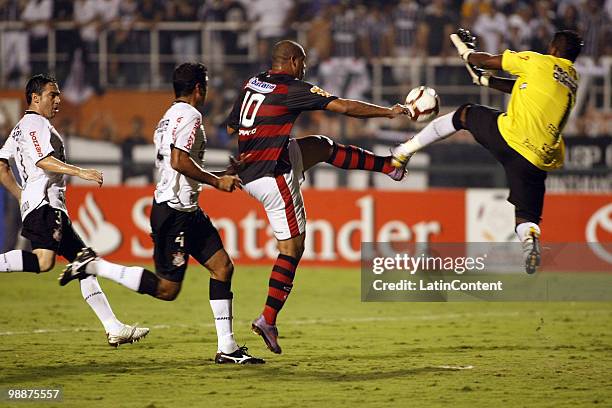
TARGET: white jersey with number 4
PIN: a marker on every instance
(31, 140)
(181, 128)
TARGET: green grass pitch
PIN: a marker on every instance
(338, 351)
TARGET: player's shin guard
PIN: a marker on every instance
(221, 305)
(280, 285)
(19, 261)
(355, 158)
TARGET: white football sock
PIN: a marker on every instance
(96, 299)
(12, 261)
(440, 128)
(128, 276)
(522, 230)
(222, 312)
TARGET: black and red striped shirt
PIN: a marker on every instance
(264, 114)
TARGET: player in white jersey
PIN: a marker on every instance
(179, 226)
(38, 151)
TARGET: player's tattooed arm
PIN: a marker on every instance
(54, 165)
(359, 109)
(7, 179)
(184, 164)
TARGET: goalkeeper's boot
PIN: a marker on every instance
(76, 269)
(532, 252)
(240, 356)
(400, 157)
(127, 334)
(268, 332)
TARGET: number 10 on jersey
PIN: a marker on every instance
(250, 98)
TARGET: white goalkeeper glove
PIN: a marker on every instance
(479, 75)
(463, 42)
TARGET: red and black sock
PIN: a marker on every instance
(353, 157)
(279, 287)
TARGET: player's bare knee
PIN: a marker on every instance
(167, 294)
(167, 290)
(460, 116)
(293, 248)
(299, 251)
(46, 263)
(223, 273)
(325, 141)
(316, 143)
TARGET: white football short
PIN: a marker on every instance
(282, 198)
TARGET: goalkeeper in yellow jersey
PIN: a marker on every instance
(526, 139)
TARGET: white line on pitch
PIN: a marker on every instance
(297, 322)
(286, 323)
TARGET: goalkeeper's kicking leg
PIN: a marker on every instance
(526, 181)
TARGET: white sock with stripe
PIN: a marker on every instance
(19, 261)
(11, 261)
(222, 312)
(128, 276)
(96, 299)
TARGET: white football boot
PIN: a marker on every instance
(127, 334)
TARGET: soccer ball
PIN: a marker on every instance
(424, 103)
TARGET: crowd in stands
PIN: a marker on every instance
(342, 38)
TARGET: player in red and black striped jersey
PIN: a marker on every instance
(263, 116)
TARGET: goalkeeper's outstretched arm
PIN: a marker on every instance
(477, 62)
(488, 61)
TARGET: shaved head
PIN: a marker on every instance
(284, 50)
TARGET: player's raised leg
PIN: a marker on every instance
(317, 149)
(24, 261)
(19, 261)
(136, 278)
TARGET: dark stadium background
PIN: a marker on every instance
(113, 60)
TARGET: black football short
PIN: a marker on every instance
(526, 181)
(178, 234)
(49, 228)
